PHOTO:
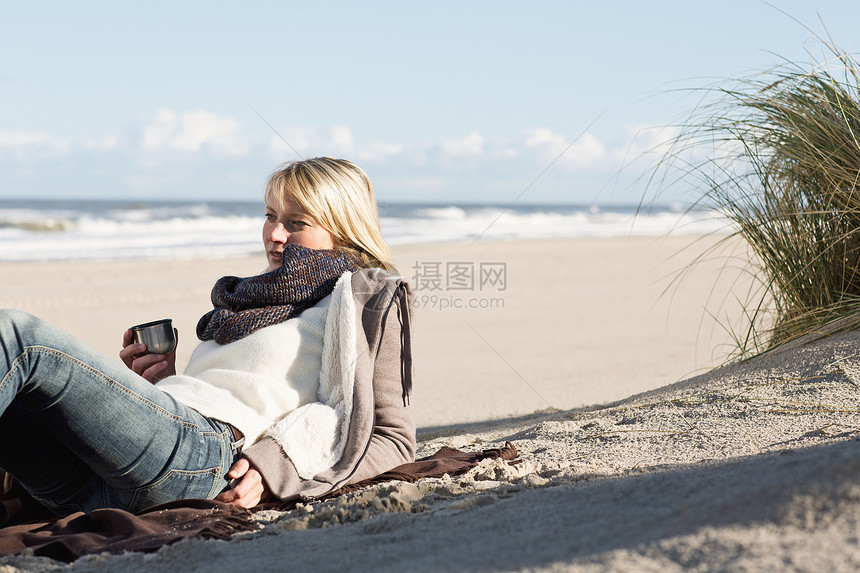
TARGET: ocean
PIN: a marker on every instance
(44, 230)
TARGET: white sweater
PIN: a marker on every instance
(292, 381)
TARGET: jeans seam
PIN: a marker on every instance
(138, 491)
(12, 367)
(228, 457)
(114, 383)
(214, 471)
(226, 446)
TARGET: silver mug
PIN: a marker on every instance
(157, 336)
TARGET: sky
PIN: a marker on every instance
(467, 102)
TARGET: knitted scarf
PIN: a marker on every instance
(243, 306)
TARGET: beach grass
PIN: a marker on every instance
(779, 155)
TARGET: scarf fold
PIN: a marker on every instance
(245, 305)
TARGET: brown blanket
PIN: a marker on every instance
(115, 531)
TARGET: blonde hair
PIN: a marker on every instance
(339, 196)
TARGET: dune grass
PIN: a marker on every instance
(779, 155)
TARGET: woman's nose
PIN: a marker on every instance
(279, 234)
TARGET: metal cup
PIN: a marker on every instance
(158, 336)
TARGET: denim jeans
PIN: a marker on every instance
(80, 431)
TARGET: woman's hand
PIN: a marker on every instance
(152, 367)
(250, 490)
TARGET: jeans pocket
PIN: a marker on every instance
(60, 510)
(177, 484)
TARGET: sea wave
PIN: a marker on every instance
(75, 230)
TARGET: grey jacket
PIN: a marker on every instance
(382, 428)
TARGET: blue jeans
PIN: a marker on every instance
(80, 431)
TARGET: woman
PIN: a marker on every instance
(300, 385)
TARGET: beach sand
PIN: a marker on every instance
(565, 323)
(626, 461)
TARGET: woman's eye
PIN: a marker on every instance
(270, 217)
(300, 223)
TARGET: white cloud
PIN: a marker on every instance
(341, 137)
(636, 143)
(286, 148)
(338, 141)
(189, 134)
(587, 152)
(468, 161)
(378, 151)
(193, 131)
(544, 137)
(103, 143)
(470, 146)
(640, 140)
(25, 145)
(308, 142)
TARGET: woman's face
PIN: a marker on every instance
(291, 226)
